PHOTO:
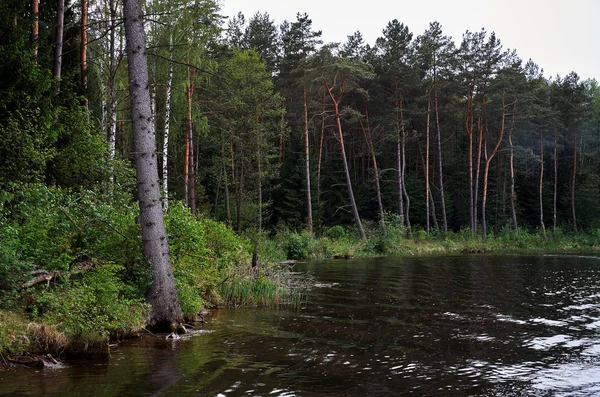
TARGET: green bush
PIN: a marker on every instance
(93, 306)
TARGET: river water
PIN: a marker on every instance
(465, 325)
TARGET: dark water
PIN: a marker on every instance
(444, 326)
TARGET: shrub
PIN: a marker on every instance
(92, 306)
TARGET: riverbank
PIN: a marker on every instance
(73, 277)
(84, 328)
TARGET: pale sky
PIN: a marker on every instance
(559, 35)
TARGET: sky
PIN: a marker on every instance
(560, 36)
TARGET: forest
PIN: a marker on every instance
(266, 138)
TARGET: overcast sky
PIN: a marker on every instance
(559, 35)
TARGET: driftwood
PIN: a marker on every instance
(45, 361)
(39, 277)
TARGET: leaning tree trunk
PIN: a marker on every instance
(166, 310)
(336, 103)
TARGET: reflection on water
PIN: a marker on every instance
(452, 326)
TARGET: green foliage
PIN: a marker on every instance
(94, 305)
(299, 245)
(249, 291)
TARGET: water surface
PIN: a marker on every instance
(466, 325)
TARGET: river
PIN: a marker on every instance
(466, 325)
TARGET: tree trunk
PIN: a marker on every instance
(480, 121)
(369, 140)
(555, 183)
(403, 176)
(320, 151)
(165, 151)
(35, 6)
(309, 218)
(83, 50)
(575, 228)
(58, 53)
(426, 164)
(112, 91)
(542, 184)
(488, 161)
(469, 123)
(259, 180)
(192, 173)
(166, 311)
(227, 202)
(439, 150)
(513, 197)
(399, 169)
(336, 103)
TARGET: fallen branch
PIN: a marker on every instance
(40, 276)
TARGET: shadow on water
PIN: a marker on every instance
(452, 326)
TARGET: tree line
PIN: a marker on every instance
(267, 128)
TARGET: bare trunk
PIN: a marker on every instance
(320, 150)
(369, 140)
(426, 164)
(192, 173)
(439, 152)
(83, 50)
(35, 5)
(469, 122)
(112, 91)
(478, 170)
(165, 149)
(259, 180)
(542, 184)
(513, 196)
(403, 177)
(309, 219)
(227, 202)
(488, 161)
(166, 311)
(555, 183)
(336, 103)
(575, 228)
(58, 53)
(399, 184)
